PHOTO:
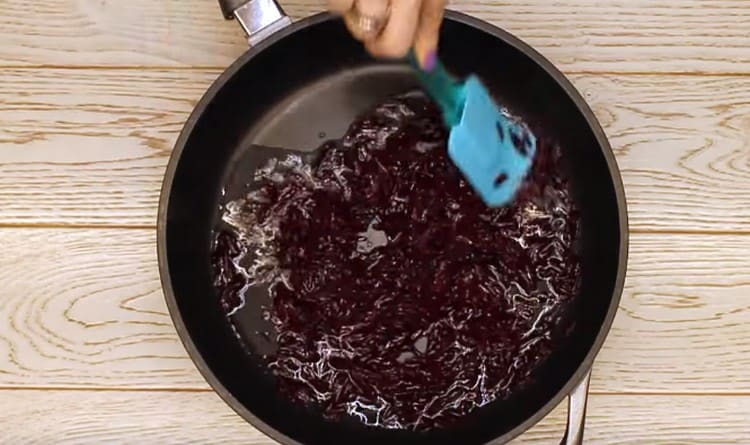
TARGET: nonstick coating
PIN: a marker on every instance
(306, 84)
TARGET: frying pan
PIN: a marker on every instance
(302, 82)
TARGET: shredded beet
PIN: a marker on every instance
(399, 298)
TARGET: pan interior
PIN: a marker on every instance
(301, 122)
(295, 94)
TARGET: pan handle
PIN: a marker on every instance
(577, 400)
(258, 18)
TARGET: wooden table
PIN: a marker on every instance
(93, 94)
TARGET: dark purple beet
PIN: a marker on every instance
(399, 297)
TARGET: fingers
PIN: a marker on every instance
(366, 18)
(428, 32)
(355, 11)
(398, 36)
(409, 23)
(351, 20)
(372, 8)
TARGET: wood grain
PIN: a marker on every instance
(94, 417)
(85, 308)
(93, 94)
(578, 35)
(82, 308)
(89, 147)
(683, 145)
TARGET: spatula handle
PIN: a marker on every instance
(444, 88)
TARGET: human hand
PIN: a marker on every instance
(390, 28)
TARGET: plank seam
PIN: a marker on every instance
(220, 68)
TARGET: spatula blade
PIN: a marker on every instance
(492, 150)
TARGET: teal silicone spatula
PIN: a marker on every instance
(492, 150)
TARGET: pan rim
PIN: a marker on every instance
(593, 123)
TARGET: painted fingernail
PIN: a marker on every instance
(430, 61)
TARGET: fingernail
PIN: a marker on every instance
(430, 61)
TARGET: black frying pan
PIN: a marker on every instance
(303, 82)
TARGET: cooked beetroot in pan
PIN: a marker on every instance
(399, 298)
